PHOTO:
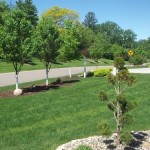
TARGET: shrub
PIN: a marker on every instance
(104, 128)
(90, 74)
(126, 137)
(102, 72)
(138, 60)
(84, 147)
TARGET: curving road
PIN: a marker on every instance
(27, 76)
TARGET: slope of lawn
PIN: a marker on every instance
(46, 120)
(36, 65)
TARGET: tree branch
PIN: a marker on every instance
(124, 88)
(115, 89)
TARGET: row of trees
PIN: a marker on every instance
(59, 35)
(23, 36)
(117, 40)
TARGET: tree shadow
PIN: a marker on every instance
(139, 137)
(58, 63)
(110, 144)
(39, 88)
(54, 85)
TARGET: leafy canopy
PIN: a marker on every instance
(15, 39)
(60, 15)
(46, 40)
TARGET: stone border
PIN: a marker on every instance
(141, 142)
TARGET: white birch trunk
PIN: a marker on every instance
(84, 67)
(17, 82)
(46, 77)
(70, 74)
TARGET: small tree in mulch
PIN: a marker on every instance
(119, 106)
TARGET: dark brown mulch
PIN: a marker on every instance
(41, 87)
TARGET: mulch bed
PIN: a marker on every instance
(41, 87)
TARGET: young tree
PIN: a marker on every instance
(70, 43)
(15, 40)
(46, 42)
(120, 106)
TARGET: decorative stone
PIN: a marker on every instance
(17, 92)
(105, 143)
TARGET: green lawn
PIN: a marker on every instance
(46, 120)
(7, 67)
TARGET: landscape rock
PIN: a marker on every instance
(141, 142)
(17, 92)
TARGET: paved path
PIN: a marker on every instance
(140, 70)
(27, 76)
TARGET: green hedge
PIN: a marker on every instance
(102, 72)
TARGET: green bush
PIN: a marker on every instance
(84, 147)
(126, 137)
(90, 74)
(102, 72)
(138, 60)
(104, 128)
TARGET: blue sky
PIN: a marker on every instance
(128, 14)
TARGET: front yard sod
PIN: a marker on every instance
(46, 120)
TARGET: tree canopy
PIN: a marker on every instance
(29, 10)
(90, 20)
(60, 15)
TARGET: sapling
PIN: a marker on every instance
(120, 106)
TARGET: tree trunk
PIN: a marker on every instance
(84, 67)
(118, 118)
(17, 82)
(47, 76)
(70, 74)
(118, 126)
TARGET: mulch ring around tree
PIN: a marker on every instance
(65, 81)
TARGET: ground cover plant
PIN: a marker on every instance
(51, 118)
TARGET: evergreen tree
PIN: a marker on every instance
(90, 20)
(120, 106)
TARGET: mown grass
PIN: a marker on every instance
(49, 119)
(36, 65)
